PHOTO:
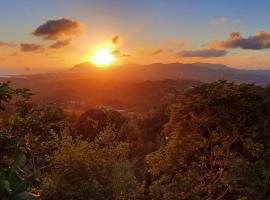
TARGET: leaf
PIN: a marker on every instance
(17, 162)
(5, 186)
(27, 196)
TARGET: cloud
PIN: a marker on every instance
(30, 47)
(115, 39)
(157, 51)
(261, 40)
(203, 53)
(6, 44)
(58, 28)
(119, 54)
(60, 44)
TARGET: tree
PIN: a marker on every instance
(91, 170)
(14, 181)
(28, 135)
(95, 120)
(218, 145)
(7, 94)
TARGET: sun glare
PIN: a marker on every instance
(102, 57)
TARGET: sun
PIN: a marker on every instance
(102, 57)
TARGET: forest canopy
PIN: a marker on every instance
(210, 142)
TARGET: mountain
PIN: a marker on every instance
(157, 71)
(133, 87)
(83, 67)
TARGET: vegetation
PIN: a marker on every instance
(211, 142)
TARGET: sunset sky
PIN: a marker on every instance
(53, 35)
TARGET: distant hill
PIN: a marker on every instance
(157, 71)
(133, 87)
(83, 67)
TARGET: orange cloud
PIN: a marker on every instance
(157, 51)
(60, 44)
(30, 47)
(119, 54)
(115, 39)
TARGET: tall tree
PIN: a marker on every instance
(218, 145)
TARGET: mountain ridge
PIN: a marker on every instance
(205, 72)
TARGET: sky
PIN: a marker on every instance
(38, 35)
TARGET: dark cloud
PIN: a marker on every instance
(6, 44)
(261, 40)
(115, 39)
(58, 28)
(30, 47)
(203, 53)
(157, 52)
(60, 44)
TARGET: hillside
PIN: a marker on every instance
(132, 87)
(197, 71)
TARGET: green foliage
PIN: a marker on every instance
(7, 94)
(21, 153)
(124, 183)
(94, 121)
(14, 182)
(91, 170)
(212, 143)
(218, 143)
